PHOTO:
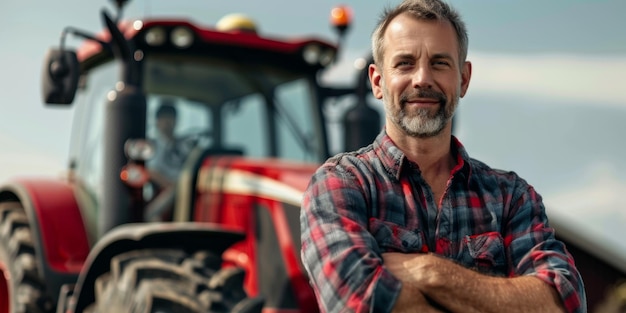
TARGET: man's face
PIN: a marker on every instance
(166, 124)
(421, 79)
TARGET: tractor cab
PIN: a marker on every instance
(232, 92)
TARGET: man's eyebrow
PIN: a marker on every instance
(407, 55)
(403, 56)
(442, 56)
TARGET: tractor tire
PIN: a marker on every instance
(22, 286)
(167, 280)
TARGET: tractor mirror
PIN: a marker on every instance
(60, 76)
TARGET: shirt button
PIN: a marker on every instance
(405, 243)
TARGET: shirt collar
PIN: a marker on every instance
(463, 165)
(394, 160)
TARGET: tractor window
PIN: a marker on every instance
(88, 141)
(296, 131)
(243, 125)
(192, 119)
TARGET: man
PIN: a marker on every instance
(411, 223)
(165, 166)
(170, 152)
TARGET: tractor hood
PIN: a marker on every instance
(272, 179)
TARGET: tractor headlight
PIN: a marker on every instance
(311, 54)
(315, 54)
(155, 36)
(181, 37)
(138, 149)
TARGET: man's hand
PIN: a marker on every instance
(407, 268)
(458, 289)
(422, 270)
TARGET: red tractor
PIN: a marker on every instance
(226, 236)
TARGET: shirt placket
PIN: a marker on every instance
(444, 236)
(425, 207)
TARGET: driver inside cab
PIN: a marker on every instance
(170, 152)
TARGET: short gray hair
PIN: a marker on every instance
(422, 10)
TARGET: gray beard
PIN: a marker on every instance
(420, 123)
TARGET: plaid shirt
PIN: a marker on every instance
(361, 204)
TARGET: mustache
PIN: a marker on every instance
(424, 93)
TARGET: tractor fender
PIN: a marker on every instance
(60, 241)
(187, 236)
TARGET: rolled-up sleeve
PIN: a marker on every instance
(534, 250)
(341, 257)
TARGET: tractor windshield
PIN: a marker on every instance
(260, 110)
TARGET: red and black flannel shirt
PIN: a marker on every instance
(361, 204)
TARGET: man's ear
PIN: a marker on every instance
(375, 80)
(466, 74)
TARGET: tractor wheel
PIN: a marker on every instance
(22, 287)
(164, 280)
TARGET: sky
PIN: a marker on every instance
(546, 98)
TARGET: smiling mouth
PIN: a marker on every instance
(423, 97)
(421, 102)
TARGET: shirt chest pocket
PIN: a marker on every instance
(485, 253)
(392, 237)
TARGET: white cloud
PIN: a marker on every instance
(582, 78)
(601, 194)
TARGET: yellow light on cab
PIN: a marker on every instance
(236, 22)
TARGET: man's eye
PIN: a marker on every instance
(441, 63)
(403, 63)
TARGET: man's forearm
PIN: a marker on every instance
(459, 289)
(412, 300)
(467, 291)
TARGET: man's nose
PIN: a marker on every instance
(423, 77)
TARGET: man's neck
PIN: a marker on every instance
(432, 154)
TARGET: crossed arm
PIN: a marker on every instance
(457, 289)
